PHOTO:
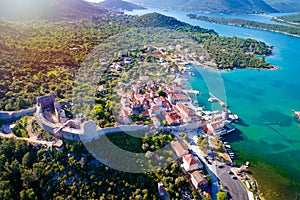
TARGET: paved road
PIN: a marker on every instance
(235, 187)
(211, 169)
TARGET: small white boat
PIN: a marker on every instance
(235, 117)
(297, 114)
(212, 99)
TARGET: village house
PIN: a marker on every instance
(179, 149)
(199, 180)
(115, 67)
(178, 98)
(127, 60)
(184, 111)
(191, 163)
(173, 118)
(102, 88)
(139, 97)
(216, 127)
(157, 54)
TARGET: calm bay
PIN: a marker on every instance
(269, 134)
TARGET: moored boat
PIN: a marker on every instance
(212, 99)
(297, 114)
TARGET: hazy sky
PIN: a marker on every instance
(95, 0)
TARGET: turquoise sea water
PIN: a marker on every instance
(264, 100)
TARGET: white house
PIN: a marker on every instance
(190, 163)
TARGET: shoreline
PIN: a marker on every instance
(251, 27)
(294, 24)
(275, 68)
(255, 191)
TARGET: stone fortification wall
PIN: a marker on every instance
(88, 131)
(45, 124)
(14, 115)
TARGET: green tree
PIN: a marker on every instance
(22, 103)
(222, 195)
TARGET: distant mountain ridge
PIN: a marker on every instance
(47, 9)
(118, 4)
(215, 6)
(285, 5)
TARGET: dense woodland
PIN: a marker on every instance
(33, 172)
(37, 57)
(251, 24)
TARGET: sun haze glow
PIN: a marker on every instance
(94, 1)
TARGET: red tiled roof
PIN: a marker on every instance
(145, 113)
(157, 54)
(217, 125)
(185, 109)
(172, 117)
(102, 88)
(199, 178)
(190, 159)
(178, 147)
(180, 96)
(139, 123)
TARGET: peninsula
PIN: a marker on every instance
(289, 30)
(157, 109)
(292, 20)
